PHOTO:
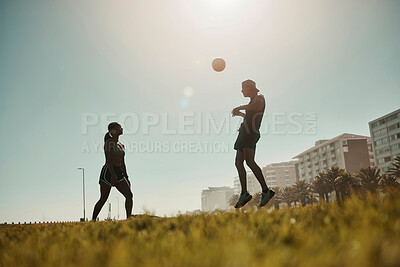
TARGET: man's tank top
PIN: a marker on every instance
(252, 120)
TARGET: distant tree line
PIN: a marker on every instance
(334, 183)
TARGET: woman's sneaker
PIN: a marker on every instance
(265, 197)
(243, 199)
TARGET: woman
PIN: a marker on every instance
(113, 172)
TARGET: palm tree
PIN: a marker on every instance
(255, 201)
(302, 191)
(388, 182)
(319, 186)
(234, 198)
(277, 199)
(344, 184)
(394, 170)
(287, 195)
(369, 178)
(331, 175)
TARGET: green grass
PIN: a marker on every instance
(358, 233)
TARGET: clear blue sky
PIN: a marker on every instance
(62, 59)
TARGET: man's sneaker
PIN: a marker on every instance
(265, 197)
(243, 199)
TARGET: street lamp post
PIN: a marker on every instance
(83, 180)
(118, 206)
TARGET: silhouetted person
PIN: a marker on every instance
(246, 141)
(113, 172)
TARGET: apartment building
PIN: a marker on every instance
(281, 174)
(385, 134)
(348, 151)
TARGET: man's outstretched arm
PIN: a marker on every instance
(236, 112)
(256, 105)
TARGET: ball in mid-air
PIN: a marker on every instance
(218, 64)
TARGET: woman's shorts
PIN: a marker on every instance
(105, 174)
(246, 140)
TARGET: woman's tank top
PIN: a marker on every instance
(118, 150)
(114, 148)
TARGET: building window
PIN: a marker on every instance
(392, 117)
(345, 149)
(336, 144)
(380, 132)
(385, 159)
(382, 151)
(395, 147)
(394, 126)
(381, 141)
(377, 123)
(394, 137)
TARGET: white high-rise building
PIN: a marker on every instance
(253, 186)
(216, 198)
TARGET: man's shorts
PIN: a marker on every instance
(105, 174)
(246, 140)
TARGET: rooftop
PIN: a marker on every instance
(384, 116)
(220, 188)
(344, 136)
(281, 164)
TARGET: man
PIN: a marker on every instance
(245, 144)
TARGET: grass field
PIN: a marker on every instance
(357, 233)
